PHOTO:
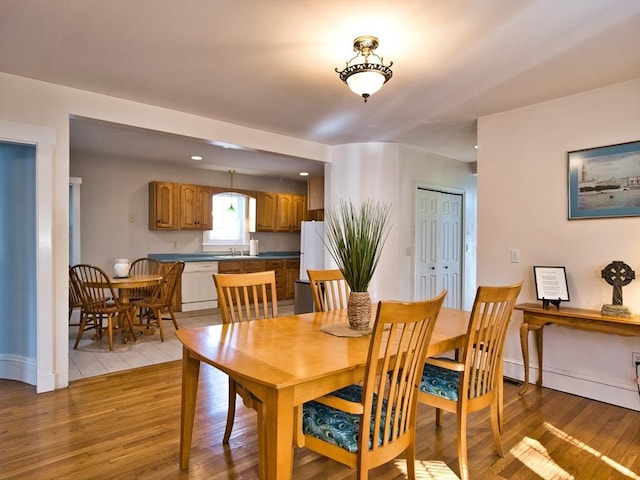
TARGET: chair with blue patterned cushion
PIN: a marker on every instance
(474, 382)
(364, 426)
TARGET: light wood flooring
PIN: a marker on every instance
(125, 425)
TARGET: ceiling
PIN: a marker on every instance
(269, 64)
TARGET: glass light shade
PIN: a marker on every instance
(366, 83)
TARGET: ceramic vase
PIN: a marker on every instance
(122, 266)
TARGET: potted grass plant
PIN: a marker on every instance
(355, 236)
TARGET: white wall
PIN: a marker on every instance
(112, 189)
(522, 203)
(392, 173)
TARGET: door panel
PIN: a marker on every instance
(439, 246)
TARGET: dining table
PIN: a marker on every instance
(125, 285)
(286, 361)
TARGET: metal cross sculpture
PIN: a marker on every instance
(618, 274)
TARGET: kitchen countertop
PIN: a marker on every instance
(220, 257)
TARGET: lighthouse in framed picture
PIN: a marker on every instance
(605, 181)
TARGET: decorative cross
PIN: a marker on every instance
(618, 274)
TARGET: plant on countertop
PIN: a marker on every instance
(355, 237)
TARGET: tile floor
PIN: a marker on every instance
(93, 358)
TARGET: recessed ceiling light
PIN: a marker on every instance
(196, 157)
(475, 146)
(304, 174)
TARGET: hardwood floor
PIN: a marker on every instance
(125, 425)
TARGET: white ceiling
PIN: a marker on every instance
(269, 64)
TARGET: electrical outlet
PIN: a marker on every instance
(636, 358)
(515, 255)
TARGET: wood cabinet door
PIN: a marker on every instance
(163, 206)
(292, 274)
(266, 205)
(283, 216)
(195, 207)
(203, 208)
(298, 210)
(188, 207)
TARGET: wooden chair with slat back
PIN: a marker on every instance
(329, 288)
(245, 297)
(85, 321)
(144, 266)
(160, 301)
(475, 381)
(100, 300)
(364, 426)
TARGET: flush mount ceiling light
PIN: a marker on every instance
(365, 73)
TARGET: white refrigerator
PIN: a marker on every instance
(312, 248)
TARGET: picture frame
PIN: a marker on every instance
(551, 284)
(604, 182)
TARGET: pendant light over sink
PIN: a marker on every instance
(231, 209)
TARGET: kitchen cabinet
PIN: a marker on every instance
(195, 207)
(292, 272)
(279, 212)
(286, 272)
(278, 266)
(266, 206)
(164, 206)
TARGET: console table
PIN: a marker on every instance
(534, 318)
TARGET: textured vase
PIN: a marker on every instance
(359, 310)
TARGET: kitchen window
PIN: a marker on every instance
(234, 218)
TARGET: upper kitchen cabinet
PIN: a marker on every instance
(195, 207)
(164, 206)
(266, 205)
(279, 212)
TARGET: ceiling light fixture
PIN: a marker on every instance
(196, 157)
(304, 174)
(365, 73)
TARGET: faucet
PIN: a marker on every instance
(233, 251)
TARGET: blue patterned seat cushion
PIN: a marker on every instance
(335, 426)
(440, 382)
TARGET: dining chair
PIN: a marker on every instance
(475, 381)
(159, 301)
(100, 300)
(75, 302)
(364, 426)
(329, 288)
(144, 266)
(245, 297)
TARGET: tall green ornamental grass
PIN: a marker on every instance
(355, 237)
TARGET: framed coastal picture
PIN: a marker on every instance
(605, 181)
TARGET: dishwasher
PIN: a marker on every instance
(198, 290)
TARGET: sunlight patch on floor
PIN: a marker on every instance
(574, 441)
(428, 470)
(536, 457)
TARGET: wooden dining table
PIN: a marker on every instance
(124, 285)
(285, 362)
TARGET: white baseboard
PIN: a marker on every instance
(18, 367)
(596, 388)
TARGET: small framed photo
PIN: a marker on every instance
(551, 284)
(604, 182)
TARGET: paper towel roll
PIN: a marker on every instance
(253, 247)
